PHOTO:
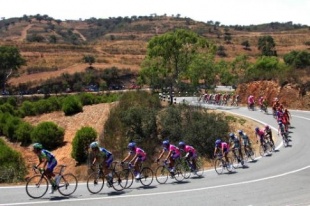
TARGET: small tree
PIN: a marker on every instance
(72, 105)
(89, 59)
(267, 46)
(246, 45)
(81, 142)
(10, 60)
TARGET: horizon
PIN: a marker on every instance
(238, 12)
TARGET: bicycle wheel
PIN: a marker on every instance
(251, 154)
(187, 170)
(146, 176)
(179, 172)
(95, 182)
(199, 167)
(119, 180)
(262, 150)
(218, 166)
(285, 140)
(229, 166)
(37, 186)
(129, 176)
(68, 184)
(162, 174)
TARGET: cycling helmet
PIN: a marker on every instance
(256, 129)
(240, 132)
(267, 127)
(131, 145)
(218, 142)
(94, 145)
(181, 144)
(232, 135)
(166, 143)
(280, 122)
(37, 146)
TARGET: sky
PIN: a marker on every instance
(227, 12)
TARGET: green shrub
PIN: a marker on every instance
(12, 168)
(27, 108)
(72, 105)
(23, 133)
(87, 98)
(48, 134)
(6, 107)
(10, 126)
(81, 142)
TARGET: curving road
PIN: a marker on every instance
(280, 179)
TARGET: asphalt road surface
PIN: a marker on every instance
(283, 178)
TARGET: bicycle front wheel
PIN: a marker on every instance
(68, 184)
(146, 176)
(179, 172)
(129, 176)
(37, 186)
(161, 174)
(218, 166)
(199, 167)
(95, 182)
(119, 180)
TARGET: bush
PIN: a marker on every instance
(81, 142)
(10, 126)
(87, 98)
(6, 107)
(12, 168)
(72, 105)
(27, 108)
(48, 134)
(23, 133)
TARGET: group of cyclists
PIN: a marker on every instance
(226, 99)
(136, 156)
(239, 143)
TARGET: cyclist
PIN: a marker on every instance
(235, 144)
(251, 102)
(268, 134)
(260, 135)
(222, 148)
(138, 155)
(104, 158)
(190, 156)
(245, 140)
(173, 154)
(49, 163)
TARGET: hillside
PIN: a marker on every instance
(57, 46)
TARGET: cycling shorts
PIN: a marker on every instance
(51, 165)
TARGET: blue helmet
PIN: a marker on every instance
(232, 135)
(181, 144)
(240, 132)
(131, 145)
(256, 129)
(280, 123)
(166, 143)
(218, 142)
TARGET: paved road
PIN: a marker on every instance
(280, 179)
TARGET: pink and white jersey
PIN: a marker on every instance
(188, 149)
(224, 145)
(261, 133)
(140, 152)
(174, 149)
(251, 99)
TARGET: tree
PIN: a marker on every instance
(89, 59)
(169, 56)
(10, 60)
(267, 45)
(246, 45)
